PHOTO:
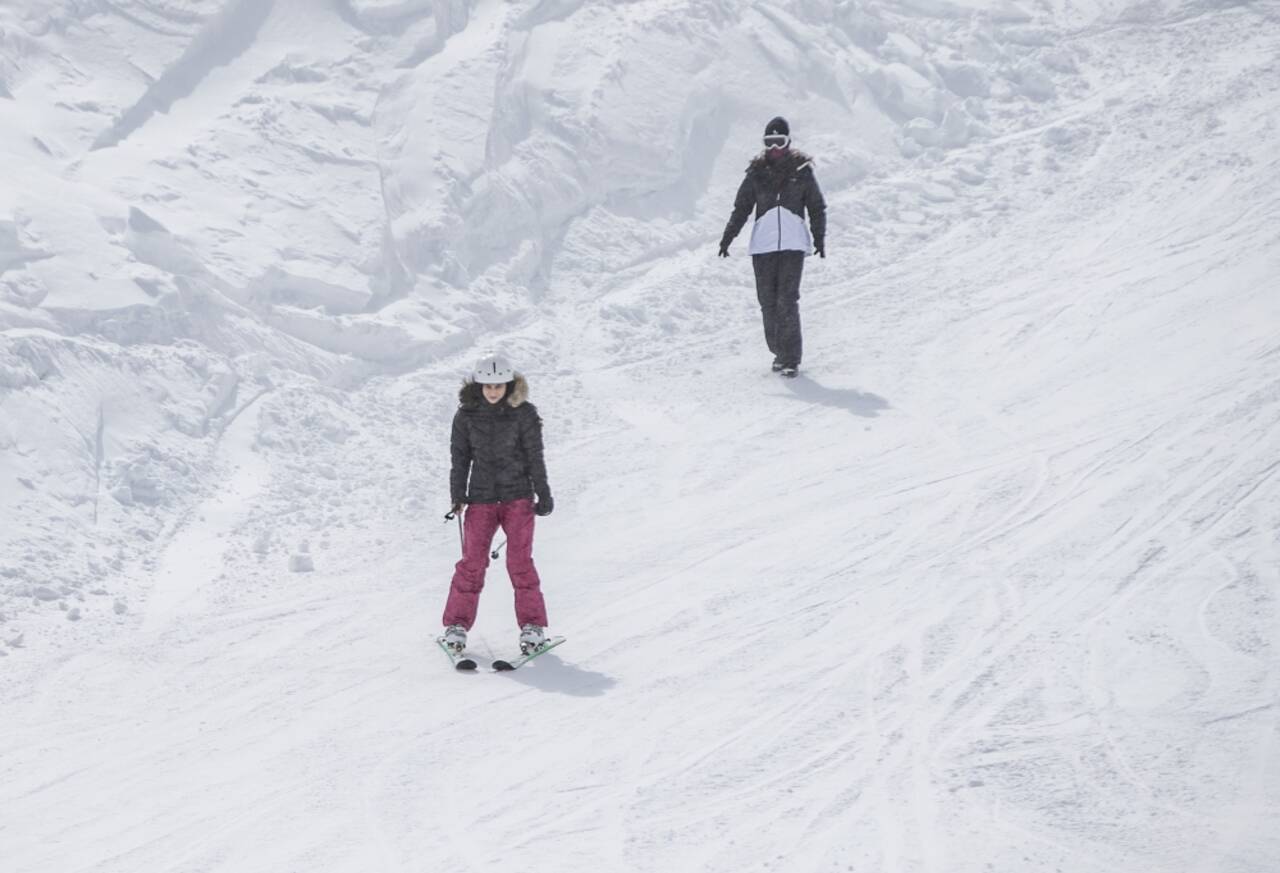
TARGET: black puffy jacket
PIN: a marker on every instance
(496, 447)
(788, 183)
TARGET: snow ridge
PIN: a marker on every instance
(226, 36)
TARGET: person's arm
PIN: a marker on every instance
(460, 455)
(742, 206)
(816, 205)
(531, 442)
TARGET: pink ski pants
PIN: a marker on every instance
(480, 523)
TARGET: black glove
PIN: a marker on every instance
(544, 505)
(724, 250)
(820, 248)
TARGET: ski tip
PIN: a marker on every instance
(465, 664)
(502, 666)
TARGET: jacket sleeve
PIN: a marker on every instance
(742, 206)
(460, 453)
(531, 442)
(816, 206)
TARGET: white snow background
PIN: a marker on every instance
(991, 587)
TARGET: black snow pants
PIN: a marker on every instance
(778, 290)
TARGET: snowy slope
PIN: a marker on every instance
(992, 586)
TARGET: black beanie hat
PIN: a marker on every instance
(777, 126)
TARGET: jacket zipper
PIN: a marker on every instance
(778, 206)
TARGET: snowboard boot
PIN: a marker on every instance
(789, 371)
(531, 638)
(777, 365)
(455, 637)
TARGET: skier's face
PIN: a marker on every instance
(494, 393)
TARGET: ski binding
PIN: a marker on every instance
(459, 660)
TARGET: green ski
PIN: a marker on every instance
(502, 666)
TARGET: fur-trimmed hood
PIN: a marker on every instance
(794, 160)
(471, 394)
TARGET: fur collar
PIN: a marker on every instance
(795, 160)
(472, 395)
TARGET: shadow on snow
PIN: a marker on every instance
(549, 673)
(856, 402)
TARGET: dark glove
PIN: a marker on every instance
(820, 248)
(544, 505)
(724, 250)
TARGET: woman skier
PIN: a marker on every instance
(497, 470)
(781, 187)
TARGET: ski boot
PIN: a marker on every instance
(455, 638)
(532, 638)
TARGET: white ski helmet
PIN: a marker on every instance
(493, 370)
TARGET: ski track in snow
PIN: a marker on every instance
(992, 586)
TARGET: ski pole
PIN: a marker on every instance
(494, 553)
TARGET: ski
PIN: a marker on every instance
(503, 666)
(459, 660)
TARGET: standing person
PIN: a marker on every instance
(780, 185)
(497, 470)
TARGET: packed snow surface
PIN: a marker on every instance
(994, 585)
